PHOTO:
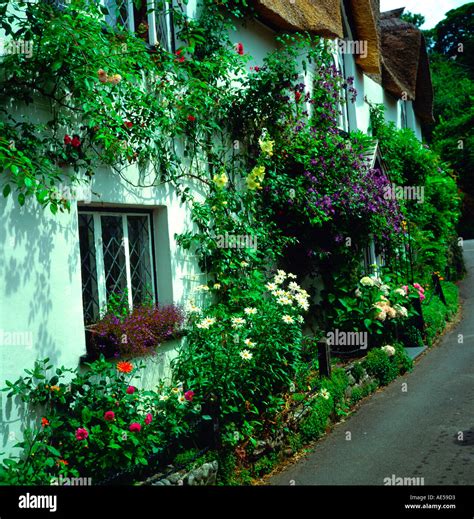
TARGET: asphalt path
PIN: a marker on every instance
(424, 432)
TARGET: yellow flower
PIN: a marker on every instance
(267, 147)
(55, 388)
(252, 184)
(221, 180)
(259, 173)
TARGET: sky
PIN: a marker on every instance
(432, 10)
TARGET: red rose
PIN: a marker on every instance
(128, 124)
(180, 58)
(297, 96)
(191, 118)
(148, 418)
(135, 427)
(240, 49)
(76, 142)
(189, 396)
(81, 434)
(109, 416)
(67, 139)
(130, 390)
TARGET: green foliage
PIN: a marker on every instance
(241, 356)
(416, 19)
(436, 314)
(457, 29)
(93, 424)
(314, 425)
(358, 393)
(357, 371)
(432, 223)
(379, 365)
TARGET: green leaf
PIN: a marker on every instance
(53, 451)
(7, 190)
(86, 415)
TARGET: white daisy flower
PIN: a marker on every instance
(206, 323)
(246, 355)
(201, 288)
(271, 286)
(163, 398)
(181, 399)
(249, 343)
(244, 264)
(294, 286)
(217, 286)
(288, 319)
(237, 322)
(284, 301)
(291, 276)
(325, 394)
(250, 311)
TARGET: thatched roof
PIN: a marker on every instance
(405, 66)
(365, 16)
(321, 17)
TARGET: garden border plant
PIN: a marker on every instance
(117, 103)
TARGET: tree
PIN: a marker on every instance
(415, 18)
(454, 36)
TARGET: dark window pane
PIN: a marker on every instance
(140, 260)
(90, 295)
(114, 256)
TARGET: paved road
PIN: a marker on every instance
(408, 434)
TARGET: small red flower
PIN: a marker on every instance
(76, 142)
(189, 396)
(191, 118)
(180, 58)
(124, 367)
(44, 422)
(62, 462)
(240, 49)
(67, 140)
(130, 390)
(297, 96)
(81, 434)
(109, 416)
(128, 124)
(148, 419)
(135, 427)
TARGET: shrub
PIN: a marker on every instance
(436, 314)
(401, 360)
(241, 356)
(378, 364)
(94, 426)
(314, 425)
(357, 371)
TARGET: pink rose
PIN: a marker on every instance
(189, 396)
(81, 434)
(135, 427)
(130, 390)
(148, 419)
(422, 297)
(109, 416)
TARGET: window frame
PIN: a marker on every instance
(153, 39)
(97, 213)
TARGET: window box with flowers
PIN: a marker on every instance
(136, 334)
